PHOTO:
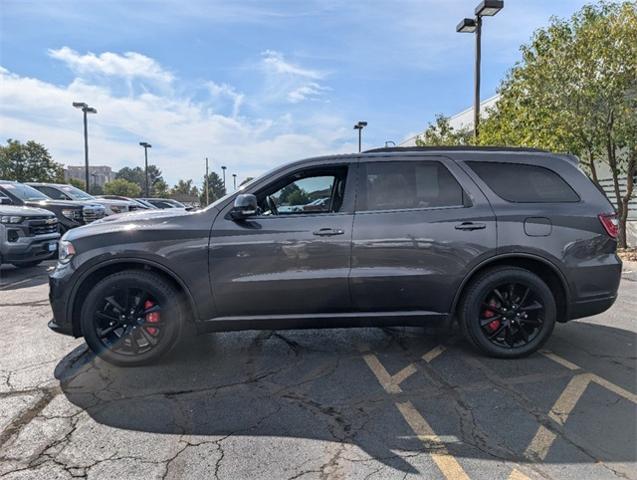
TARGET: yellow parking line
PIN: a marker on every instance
(614, 388)
(447, 464)
(433, 353)
(560, 360)
(541, 443)
(569, 398)
(517, 475)
(391, 383)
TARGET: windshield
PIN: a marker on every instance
(75, 193)
(23, 192)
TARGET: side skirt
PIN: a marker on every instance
(416, 318)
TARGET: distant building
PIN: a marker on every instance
(98, 174)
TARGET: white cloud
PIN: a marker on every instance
(276, 62)
(227, 91)
(129, 65)
(291, 82)
(182, 131)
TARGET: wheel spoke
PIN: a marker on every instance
(149, 338)
(499, 295)
(497, 310)
(525, 296)
(529, 321)
(508, 338)
(154, 308)
(486, 321)
(107, 317)
(534, 306)
(111, 301)
(497, 332)
(107, 330)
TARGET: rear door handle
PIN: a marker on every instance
(328, 232)
(470, 226)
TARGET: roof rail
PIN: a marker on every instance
(455, 148)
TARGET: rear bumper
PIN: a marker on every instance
(588, 308)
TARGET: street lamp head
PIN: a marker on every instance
(81, 105)
(489, 8)
(223, 168)
(467, 25)
(89, 110)
(145, 144)
(360, 125)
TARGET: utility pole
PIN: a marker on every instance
(234, 180)
(224, 178)
(359, 126)
(207, 190)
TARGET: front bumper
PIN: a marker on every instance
(29, 249)
(59, 290)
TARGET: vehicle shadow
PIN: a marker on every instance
(13, 278)
(316, 384)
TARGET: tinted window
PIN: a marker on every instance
(314, 193)
(23, 192)
(401, 185)
(517, 182)
(52, 192)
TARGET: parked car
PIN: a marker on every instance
(70, 214)
(27, 235)
(506, 241)
(134, 203)
(59, 191)
(164, 203)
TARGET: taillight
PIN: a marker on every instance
(610, 223)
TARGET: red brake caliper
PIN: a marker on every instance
(152, 317)
(495, 324)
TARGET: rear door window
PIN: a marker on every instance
(522, 183)
(408, 185)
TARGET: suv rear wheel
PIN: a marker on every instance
(507, 312)
(132, 318)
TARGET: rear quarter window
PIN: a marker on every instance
(522, 183)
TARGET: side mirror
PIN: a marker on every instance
(245, 205)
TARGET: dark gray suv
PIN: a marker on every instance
(506, 241)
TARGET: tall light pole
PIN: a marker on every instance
(359, 126)
(224, 178)
(85, 110)
(487, 8)
(207, 189)
(146, 146)
(234, 180)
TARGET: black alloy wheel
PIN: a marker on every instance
(132, 318)
(511, 315)
(507, 312)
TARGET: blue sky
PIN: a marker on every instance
(249, 84)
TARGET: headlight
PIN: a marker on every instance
(10, 219)
(65, 251)
(69, 213)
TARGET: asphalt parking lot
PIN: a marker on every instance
(359, 403)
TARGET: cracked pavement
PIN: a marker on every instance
(327, 404)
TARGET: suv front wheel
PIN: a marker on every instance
(132, 318)
(507, 312)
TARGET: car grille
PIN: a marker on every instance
(42, 225)
(90, 214)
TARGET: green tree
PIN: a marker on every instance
(575, 91)
(216, 189)
(77, 183)
(185, 187)
(157, 186)
(297, 197)
(119, 186)
(442, 133)
(28, 162)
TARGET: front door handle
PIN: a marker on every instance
(328, 232)
(470, 226)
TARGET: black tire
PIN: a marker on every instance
(32, 264)
(150, 286)
(494, 337)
